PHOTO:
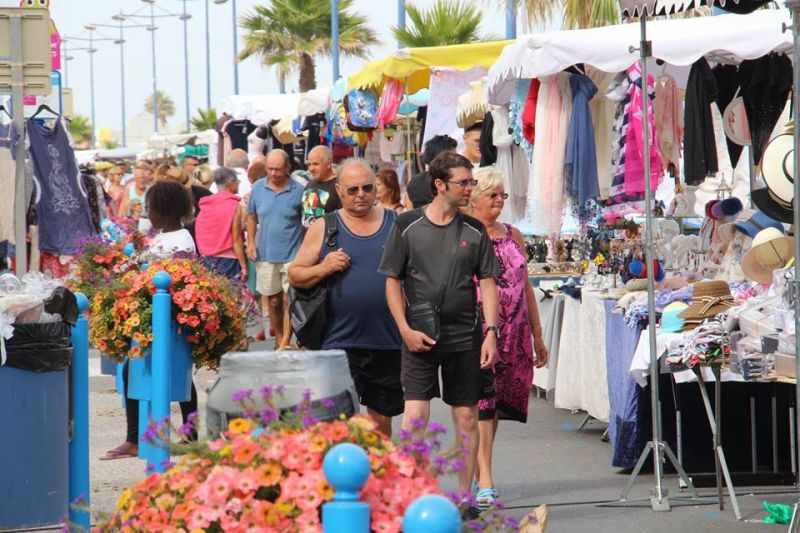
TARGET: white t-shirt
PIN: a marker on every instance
(167, 244)
(244, 183)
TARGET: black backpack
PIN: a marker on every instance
(307, 306)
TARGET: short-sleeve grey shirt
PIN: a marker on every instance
(416, 253)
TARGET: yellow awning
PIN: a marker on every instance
(415, 64)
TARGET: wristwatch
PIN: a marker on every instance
(495, 330)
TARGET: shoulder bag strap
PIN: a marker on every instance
(452, 264)
(331, 231)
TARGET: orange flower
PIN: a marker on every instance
(245, 454)
(239, 426)
(269, 473)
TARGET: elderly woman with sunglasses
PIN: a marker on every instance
(506, 389)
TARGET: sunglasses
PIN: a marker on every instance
(464, 184)
(496, 195)
(366, 189)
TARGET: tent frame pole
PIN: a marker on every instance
(658, 500)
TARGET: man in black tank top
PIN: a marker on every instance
(358, 319)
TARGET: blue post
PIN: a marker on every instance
(346, 468)
(432, 513)
(79, 445)
(335, 38)
(145, 448)
(511, 19)
(401, 17)
(162, 302)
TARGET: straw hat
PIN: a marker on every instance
(671, 322)
(770, 250)
(709, 298)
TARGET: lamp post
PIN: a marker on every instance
(91, 28)
(152, 30)
(235, 45)
(401, 17)
(335, 38)
(208, 61)
(511, 19)
(185, 18)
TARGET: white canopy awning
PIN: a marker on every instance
(613, 48)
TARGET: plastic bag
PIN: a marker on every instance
(779, 513)
(40, 347)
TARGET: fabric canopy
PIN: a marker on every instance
(613, 48)
(634, 8)
(415, 64)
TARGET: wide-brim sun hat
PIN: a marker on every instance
(748, 222)
(770, 251)
(709, 298)
(773, 206)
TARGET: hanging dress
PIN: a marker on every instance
(700, 147)
(580, 176)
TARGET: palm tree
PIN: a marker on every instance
(291, 34)
(166, 107)
(206, 119)
(81, 131)
(577, 13)
(445, 22)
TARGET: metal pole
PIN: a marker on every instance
(17, 107)
(651, 303)
(91, 82)
(208, 61)
(155, 83)
(66, 60)
(79, 487)
(335, 38)
(401, 17)
(186, 65)
(235, 52)
(511, 19)
(122, 79)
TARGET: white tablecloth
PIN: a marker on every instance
(581, 381)
(551, 313)
(640, 366)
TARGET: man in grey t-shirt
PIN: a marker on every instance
(417, 260)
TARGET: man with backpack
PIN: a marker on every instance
(343, 250)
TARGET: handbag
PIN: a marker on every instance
(424, 316)
(307, 312)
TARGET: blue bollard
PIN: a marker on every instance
(162, 303)
(432, 513)
(145, 447)
(79, 445)
(346, 468)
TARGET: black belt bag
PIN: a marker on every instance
(424, 316)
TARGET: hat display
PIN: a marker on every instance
(767, 202)
(748, 222)
(709, 298)
(734, 119)
(670, 321)
(777, 169)
(771, 250)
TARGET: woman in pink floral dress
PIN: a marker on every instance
(520, 348)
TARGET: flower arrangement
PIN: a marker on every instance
(204, 305)
(271, 480)
(102, 261)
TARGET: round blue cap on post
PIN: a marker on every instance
(162, 281)
(346, 468)
(432, 513)
(83, 302)
(129, 249)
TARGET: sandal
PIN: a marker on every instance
(485, 498)
(123, 451)
(475, 487)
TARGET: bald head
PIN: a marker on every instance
(278, 167)
(356, 187)
(237, 159)
(320, 164)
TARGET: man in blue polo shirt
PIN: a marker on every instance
(275, 208)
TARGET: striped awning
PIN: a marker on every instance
(634, 8)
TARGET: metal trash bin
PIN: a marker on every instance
(325, 373)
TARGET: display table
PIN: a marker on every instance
(551, 315)
(580, 381)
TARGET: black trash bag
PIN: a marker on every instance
(63, 302)
(40, 347)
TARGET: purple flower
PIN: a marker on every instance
(149, 469)
(186, 429)
(418, 424)
(240, 396)
(309, 421)
(476, 525)
(166, 464)
(457, 465)
(327, 403)
(307, 394)
(268, 416)
(511, 523)
(404, 435)
(280, 389)
(436, 428)
(266, 392)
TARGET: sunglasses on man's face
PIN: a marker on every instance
(352, 191)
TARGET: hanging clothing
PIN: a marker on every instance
(766, 83)
(515, 109)
(62, 206)
(8, 180)
(667, 108)
(580, 173)
(727, 77)
(547, 140)
(529, 112)
(511, 162)
(487, 146)
(603, 120)
(619, 203)
(235, 133)
(700, 147)
(315, 126)
(389, 104)
(219, 127)
(634, 154)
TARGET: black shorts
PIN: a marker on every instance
(461, 376)
(376, 374)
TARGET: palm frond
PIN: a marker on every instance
(446, 22)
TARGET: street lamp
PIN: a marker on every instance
(152, 29)
(235, 46)
(120, 18)
(185, 18)
(91, 28)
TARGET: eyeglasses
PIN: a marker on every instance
(366, 189)
(464, 184)
(496, 195)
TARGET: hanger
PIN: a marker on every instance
(45, 107)
(4, 110)
(577, 68)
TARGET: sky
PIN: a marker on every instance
(72, 15)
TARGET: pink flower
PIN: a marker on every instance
(308, 522)
(385, 523)
(247, 482)
(233, 506)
